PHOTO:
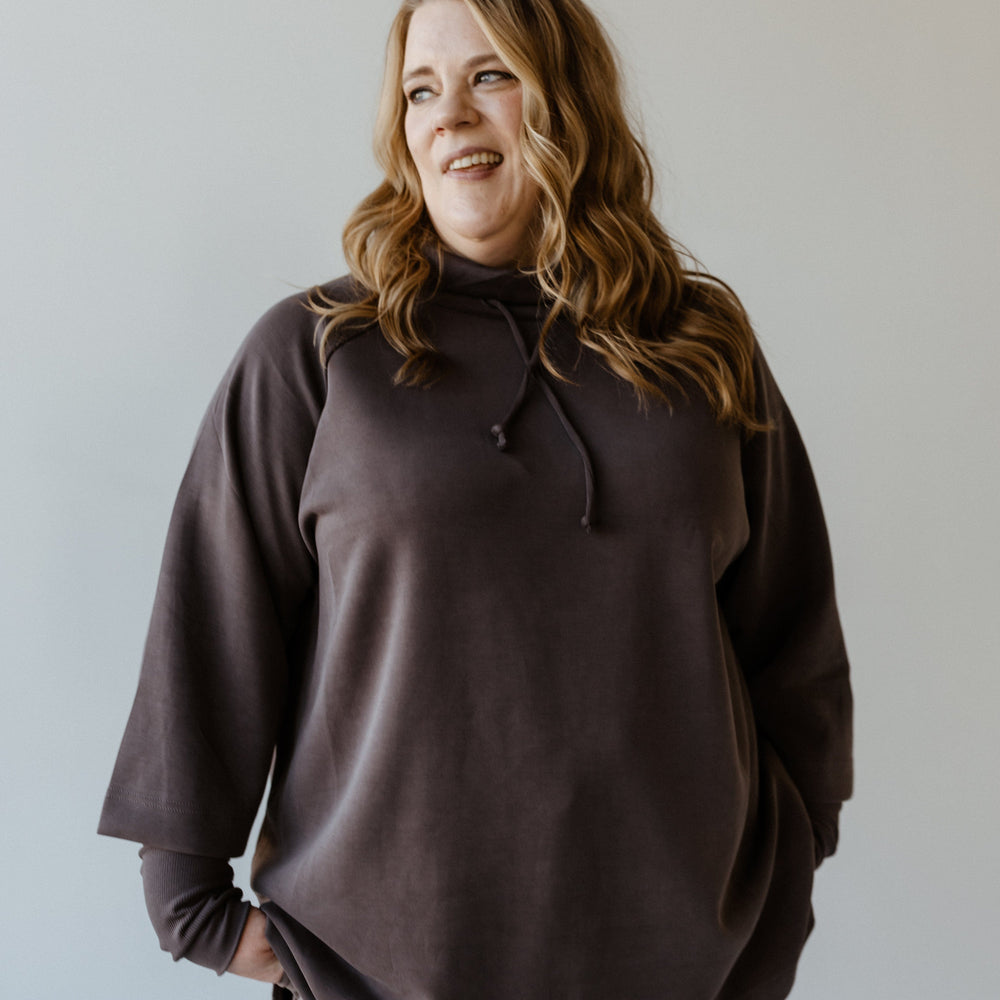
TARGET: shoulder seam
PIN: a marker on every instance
(344, 336)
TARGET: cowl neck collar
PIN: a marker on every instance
(461, 276)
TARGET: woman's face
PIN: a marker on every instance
(463, 122)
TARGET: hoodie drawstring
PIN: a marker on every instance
(499, 430)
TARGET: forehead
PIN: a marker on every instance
(443, 30)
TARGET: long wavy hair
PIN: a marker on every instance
(601, 257)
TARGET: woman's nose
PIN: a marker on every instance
(454, 109)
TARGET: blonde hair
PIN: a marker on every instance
(601, 256)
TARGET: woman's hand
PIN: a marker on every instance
(254, 958)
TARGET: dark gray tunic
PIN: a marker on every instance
(513, 759)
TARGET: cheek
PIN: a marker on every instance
(411, 135)
(511, 115)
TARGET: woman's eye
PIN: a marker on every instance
(418, 95)
(493, 75)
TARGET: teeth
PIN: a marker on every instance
(475, 160)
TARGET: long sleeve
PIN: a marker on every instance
(779, 606)
(232, 601)
(195, 909)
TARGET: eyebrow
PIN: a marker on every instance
(470, 64)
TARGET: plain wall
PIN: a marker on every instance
(169, 170)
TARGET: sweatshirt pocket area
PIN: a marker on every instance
(294, 983)
(314, 969)
(784, 864)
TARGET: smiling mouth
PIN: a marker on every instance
(475, 160)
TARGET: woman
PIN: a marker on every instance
(524, 587)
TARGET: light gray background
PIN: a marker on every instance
(170, 170)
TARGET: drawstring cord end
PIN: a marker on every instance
(501, 438)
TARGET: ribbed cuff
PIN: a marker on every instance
(196, 911)
(825, 817)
